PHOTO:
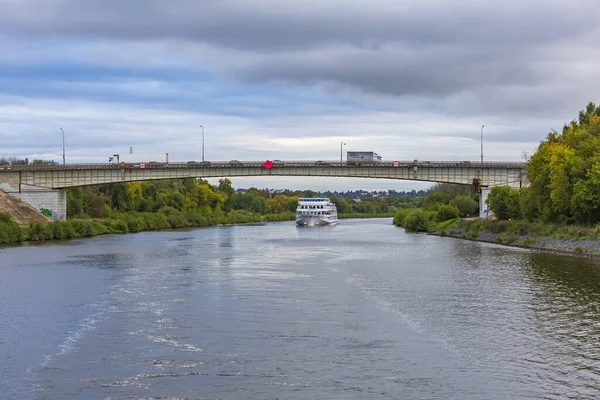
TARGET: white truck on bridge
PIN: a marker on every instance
(362, 157)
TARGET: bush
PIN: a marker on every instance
(416, 221)
(133, 224)
(83, 228)
(465, 204)
(446, 212)
(10, 232)
(401, 215)
(58, 231)
(5, 217)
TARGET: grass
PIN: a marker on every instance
(539, 229)
(451, 223)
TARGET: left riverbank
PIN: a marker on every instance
(11, 232)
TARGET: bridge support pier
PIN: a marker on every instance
(484, 211)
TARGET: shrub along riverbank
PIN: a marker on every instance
(10, 232)
(442, 203)
(551, 237)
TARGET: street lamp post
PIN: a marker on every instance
(341, 144)
(482, 143)
(202, 142)
(63, 133)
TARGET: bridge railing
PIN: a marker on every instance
(258, 164)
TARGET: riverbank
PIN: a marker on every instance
(560, 239)
(123, 223)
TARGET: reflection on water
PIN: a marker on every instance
(361, 310)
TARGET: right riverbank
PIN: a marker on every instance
(554, 238)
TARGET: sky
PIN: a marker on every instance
(292, 80)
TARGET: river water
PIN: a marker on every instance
(361, 310)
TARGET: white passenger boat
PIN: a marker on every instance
(316, 212)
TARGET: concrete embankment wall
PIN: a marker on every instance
(53, 202)
(22, 212)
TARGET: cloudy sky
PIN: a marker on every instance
(272, 79)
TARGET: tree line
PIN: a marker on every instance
(564, 176)
(177, 203)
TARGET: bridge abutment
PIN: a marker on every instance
(50, 202)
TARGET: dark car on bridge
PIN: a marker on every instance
(235, 163)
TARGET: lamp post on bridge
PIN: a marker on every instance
(341, 151)
(482, 143)
(63, 134)
(202, 142)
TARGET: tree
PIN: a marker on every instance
(504, 202)
(416, 221)
(446, 212)
(228, 192)
(74, 202)
(43, 162)
(561, 172)
(465, 204)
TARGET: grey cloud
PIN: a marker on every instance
(399, 72)
(467, 55)
(287, 25)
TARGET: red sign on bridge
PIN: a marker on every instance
(268, 165)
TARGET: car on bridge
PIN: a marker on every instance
(4, 167)
(199, 163)
(279, 163)
(236, 163)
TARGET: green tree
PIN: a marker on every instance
(466, 205)
(228, 192)
(504, 202)
(446, 212)
(561, 172)
(74, 202)
(416, 221)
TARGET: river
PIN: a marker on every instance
(362, 310)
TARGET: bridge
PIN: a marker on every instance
(43, 186)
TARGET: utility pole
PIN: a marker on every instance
(63, 133)
(202, 142)
(482, 143)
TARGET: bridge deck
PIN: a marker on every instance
(64, 176)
